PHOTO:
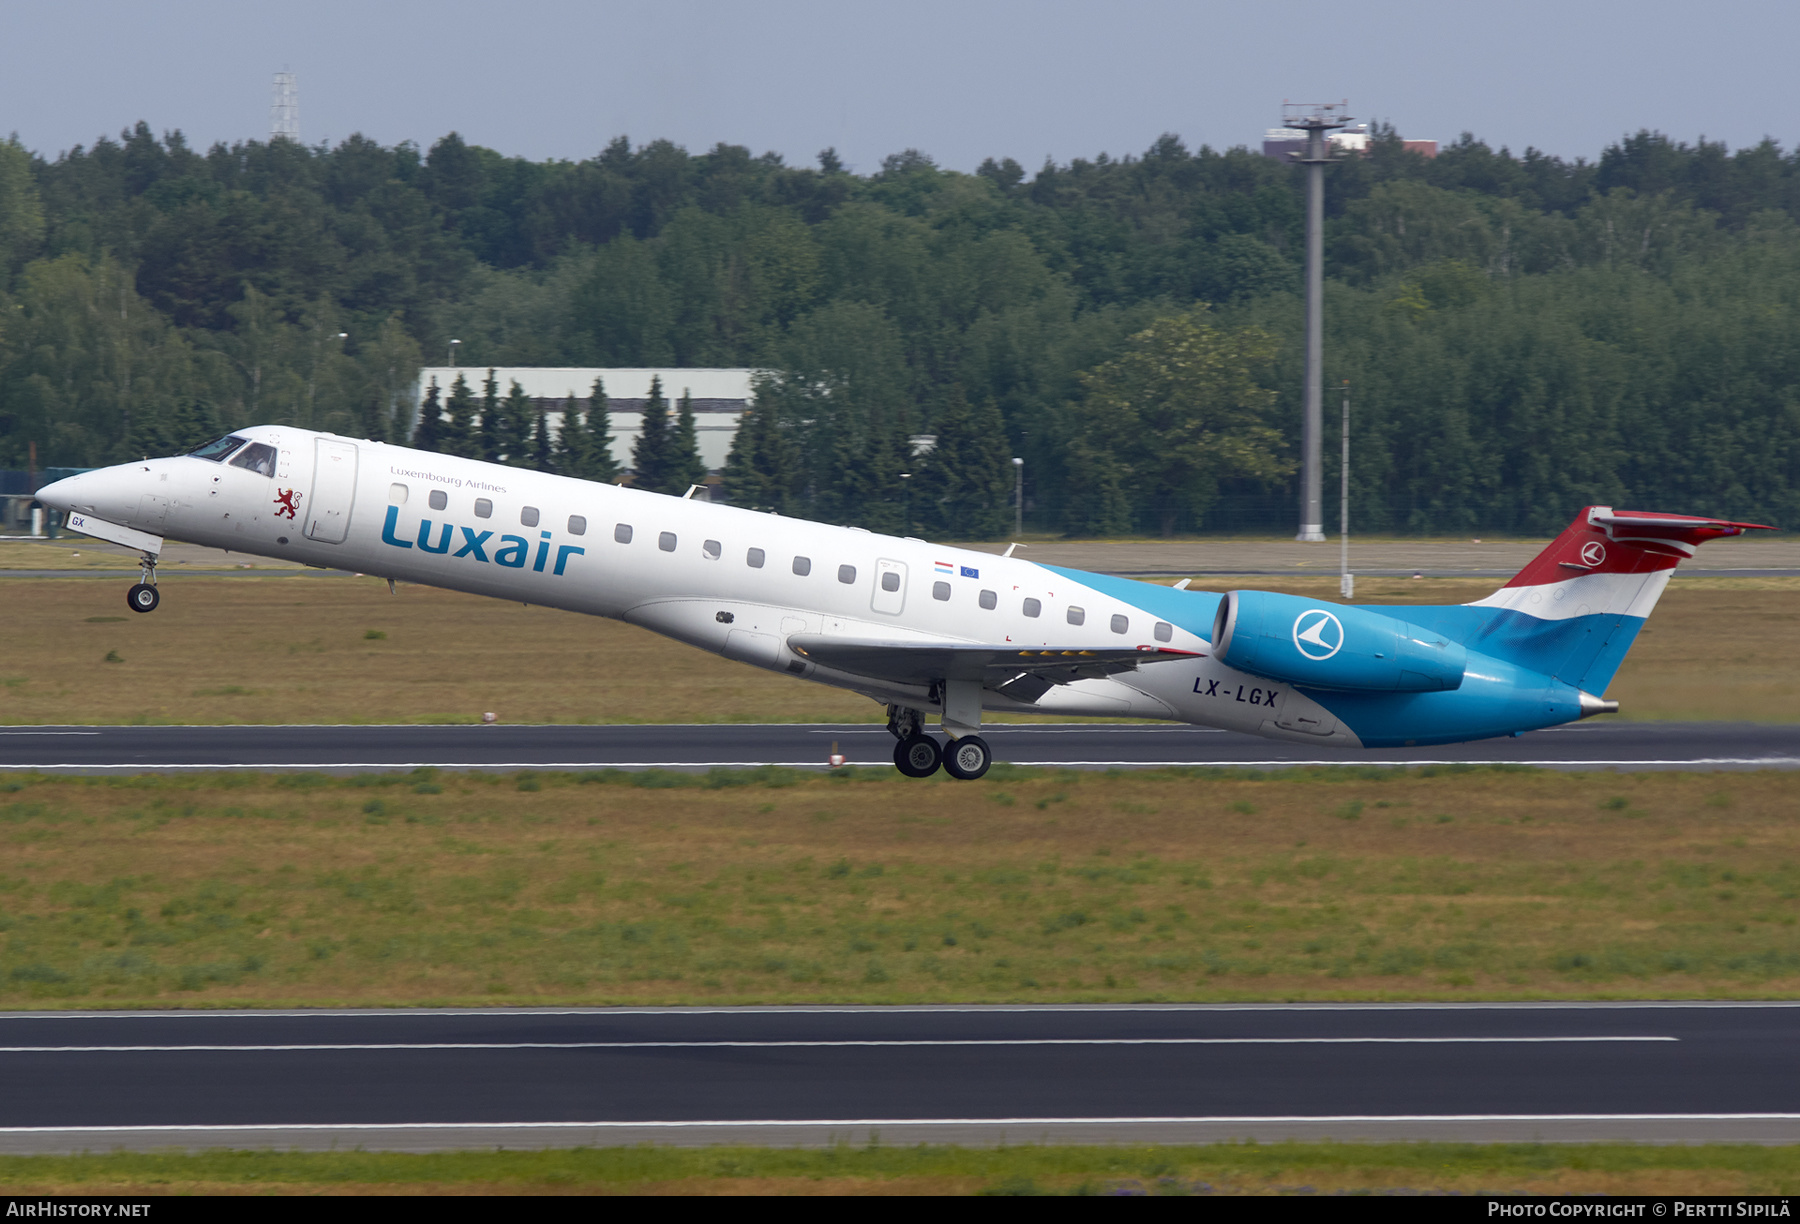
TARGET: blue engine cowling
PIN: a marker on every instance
(1330, 646)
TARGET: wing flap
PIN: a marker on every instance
(994, 664)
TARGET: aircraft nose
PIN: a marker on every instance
(63, 494)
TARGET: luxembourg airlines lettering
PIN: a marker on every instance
(512, 555)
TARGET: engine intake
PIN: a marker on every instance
(1329, 646)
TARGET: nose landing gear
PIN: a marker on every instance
(143, 597)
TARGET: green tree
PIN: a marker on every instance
(428, 433)
(543, 449)
(388, 368)
(601, 465)
(1182, 409)
(93, 373)
(650, 455)
(965, 483)
(21, 210)
(497, 433)
(517, 416)
(686, 468)
(569, 456)
(873, 489)
(763, 470)
(456, 435)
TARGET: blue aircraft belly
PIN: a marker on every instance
(1496, 698)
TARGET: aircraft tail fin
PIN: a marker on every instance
(1575, 610)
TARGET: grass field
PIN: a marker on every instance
(744, 887)
(342, 650)
(1273, 1169)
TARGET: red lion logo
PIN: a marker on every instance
(287, 502)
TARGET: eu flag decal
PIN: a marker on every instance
(969, 571)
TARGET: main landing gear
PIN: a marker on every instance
(143, 597)
(917, 755)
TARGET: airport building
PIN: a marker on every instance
(720, 397)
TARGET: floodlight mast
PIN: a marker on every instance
(284, 110)
(1315, 119)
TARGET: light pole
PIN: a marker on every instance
(454, 345)
(1346, 580)
(1018, 496)
(1315, 121)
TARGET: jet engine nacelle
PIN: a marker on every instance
(1329, 646)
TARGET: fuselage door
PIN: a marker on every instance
(890, 587)
(333, 492)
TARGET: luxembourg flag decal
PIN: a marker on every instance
(944, 567)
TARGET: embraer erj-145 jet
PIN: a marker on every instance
(919, 627)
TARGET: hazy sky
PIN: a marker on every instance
(958, 79)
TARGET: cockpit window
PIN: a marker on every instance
(259, 457)
(216, 451)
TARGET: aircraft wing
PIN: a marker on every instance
(1006, 667)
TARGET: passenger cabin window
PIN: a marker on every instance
(577, 524)
(216, 451)
(528, 516)
(1164, 631)
(1077, 616)
(438, 499)
(754, 558)
(397, 494)
(666, 541)
(1033, 608)
(988, 599)
(803, 566)
(890, 581)
(258, 457)
(484, 508)
(1119, 623)
(712, 549)
(622, 533)
(846, 574)
(940, 590)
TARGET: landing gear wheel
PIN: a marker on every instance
(968, 758)
(142, 598)
(917, 757)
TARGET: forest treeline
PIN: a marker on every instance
(1521, 334)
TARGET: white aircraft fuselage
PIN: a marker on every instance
(919, 627)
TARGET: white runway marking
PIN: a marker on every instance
(784, 1045)
(1228, 1119)
(908, 1009)
(1536, 763)
(1594, 763)
(1012, 729)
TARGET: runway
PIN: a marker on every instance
(1596, 744)
(421, 1080)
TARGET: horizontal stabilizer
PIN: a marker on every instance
(915, 662)
(1677, 533)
